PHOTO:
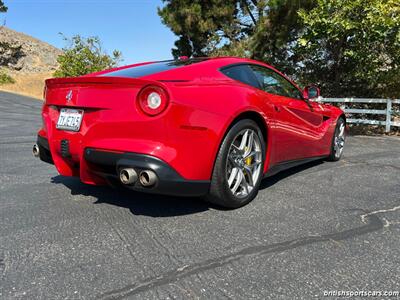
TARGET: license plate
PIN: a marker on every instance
(70, 119)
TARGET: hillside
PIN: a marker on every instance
(28, 60)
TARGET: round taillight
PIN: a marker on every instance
(153, 100)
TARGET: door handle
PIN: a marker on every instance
(277, 108)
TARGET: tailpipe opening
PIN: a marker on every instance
(128, 176)
(147, 178)
(36, 150)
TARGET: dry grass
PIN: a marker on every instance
(29, 84)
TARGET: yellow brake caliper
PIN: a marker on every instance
(248, 160)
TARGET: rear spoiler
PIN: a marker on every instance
(58, 82)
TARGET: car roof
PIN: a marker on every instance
(194, 62)
(188, 69)
(220, 61)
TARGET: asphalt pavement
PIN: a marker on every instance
(320, 227)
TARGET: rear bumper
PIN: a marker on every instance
(107, 164)
(44, 150)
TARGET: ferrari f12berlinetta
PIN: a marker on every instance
(211, 127)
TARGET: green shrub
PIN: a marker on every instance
(5, 78)
(83, 56)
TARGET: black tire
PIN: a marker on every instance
(220, 193)
(334, 155)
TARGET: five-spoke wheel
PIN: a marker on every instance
(239, 166)
(338, 140)
(243, 166)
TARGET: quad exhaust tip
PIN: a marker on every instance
(147, 178)
(35, 150)
(128, 176)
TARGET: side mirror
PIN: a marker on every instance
(311, 92)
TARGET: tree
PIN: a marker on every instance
(198, 23)
(85, 55)
(352, 48)
(277, 33)
(349, 48)
(259, 29)
(3, 8)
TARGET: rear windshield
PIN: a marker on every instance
(152, 68)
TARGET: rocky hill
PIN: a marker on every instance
(33, 56)
(28, 60)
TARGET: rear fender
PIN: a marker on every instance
(242, 115)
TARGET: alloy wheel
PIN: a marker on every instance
(243, 166)
(339, 140)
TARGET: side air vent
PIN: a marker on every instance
(325, 118)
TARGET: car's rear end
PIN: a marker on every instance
(111, 129)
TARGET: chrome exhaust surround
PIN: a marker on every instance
(36, 150)
(147, 178)
(128, 176)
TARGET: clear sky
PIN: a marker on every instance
(131, 26)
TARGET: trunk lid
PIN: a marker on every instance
(93, 92)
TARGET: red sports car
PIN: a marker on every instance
(211, 127)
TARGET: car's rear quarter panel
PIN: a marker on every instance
(203, 113)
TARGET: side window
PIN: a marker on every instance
(242, 73)
(273, 83)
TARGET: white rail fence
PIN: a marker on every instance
(347, 105)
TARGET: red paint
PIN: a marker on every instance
(187, 133)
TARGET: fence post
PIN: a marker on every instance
(388, 114)
(343, 105)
